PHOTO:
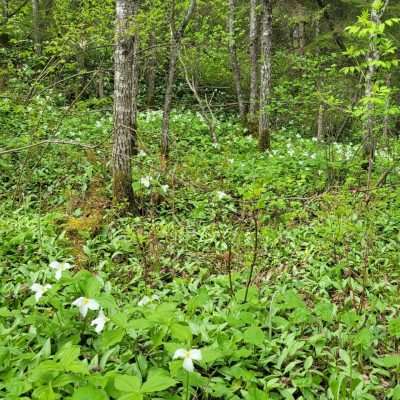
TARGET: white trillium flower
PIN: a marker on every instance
(39, 290)
(145, 300)
(188, 356)
(59, 268)
(99, 322)
(164, 188)
(84, 304)
(142, 153)
(146, 181)
(221, 195)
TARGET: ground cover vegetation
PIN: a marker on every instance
(199, 200)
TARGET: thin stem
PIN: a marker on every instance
(255, 254)
(187, 386)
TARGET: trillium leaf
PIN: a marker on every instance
(254, 335)
(89, 392)
(127, 383)
(157, 381)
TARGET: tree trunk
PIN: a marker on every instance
(151, 72)
(136, 74)
(176, 39)
(4, 9)
(100, 84)
(253, 62)
(234, 60)
(36, 35)
(264, 134)
(124, 135)
(369, 145)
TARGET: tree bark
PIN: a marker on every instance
(124, 135)
(176, 39)
(135, 73)
(253, 61)
(369, 145)
(4, 9)
(151, 72)
(36, 34)
(264, 134)
(234, 60)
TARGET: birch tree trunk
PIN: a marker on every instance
(234, 60)
(253, 61)
(124, 135)
(176, 39)
(264, 134)
(36, 27)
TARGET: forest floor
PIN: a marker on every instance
(319, 318)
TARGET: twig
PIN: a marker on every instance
(44, 142)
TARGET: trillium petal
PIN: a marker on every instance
(58, 274)
(188, 364)
(180, 353)
(78, 302)
(83, 309)
(35, 287)
(55, 265)
(195, 354)
(93, 304)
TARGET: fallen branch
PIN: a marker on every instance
(43, 142)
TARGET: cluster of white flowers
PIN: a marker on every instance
(84, 304)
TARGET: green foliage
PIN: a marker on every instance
(320, 317)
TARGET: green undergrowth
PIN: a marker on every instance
(321, 316)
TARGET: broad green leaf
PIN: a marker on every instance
(254, 335)
(127, 383)
(89, 393)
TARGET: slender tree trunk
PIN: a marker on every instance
(234, 60)
(253, 62)
(36, 34)
(176, 39)
(321, 108)
(4, 9)
(151, 72)
(373, 57)
(136, 74)
(386, 119)
(124, 135)
(100, 84)
(173, 57)
(264, 139)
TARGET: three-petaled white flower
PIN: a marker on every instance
(84, 304)
(221, 195)
(146, 181)
(188, 356)
(99, 322)
(40, 290)
(59, 268)
(164, 188)
(145, 300)
(142, 153)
